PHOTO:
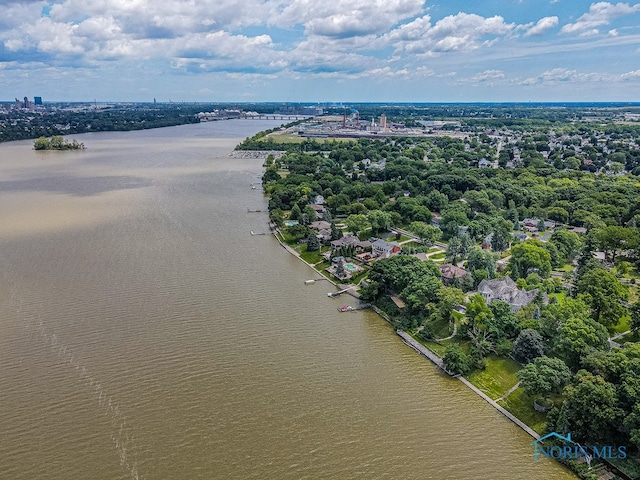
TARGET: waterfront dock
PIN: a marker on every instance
(340, 292)
(349, 308)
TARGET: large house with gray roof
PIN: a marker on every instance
(506, 290)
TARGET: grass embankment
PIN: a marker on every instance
(280, 137)
(441, 328)
(437, 348)
(497, 379)
(622, 326)
(521, 406)
(286, 138)
(411, 244)
(311, 257)
(566, 268)
(630, 466)
(633, 293)
(498, 376)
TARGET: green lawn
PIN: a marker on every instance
(435, 348)
(361, 276)
(633, 293)
(286, 138)
(496, 379)
(621, 326)
(629, 337)
(521, 406)
(498, 376)
(412, 244)
(437, 256)
(441, 328)
(559, 296)
(567, 267)
(434, 249)
(310, 257)
(289, 240)
(322, 268)
(295, 138)
(630, 466)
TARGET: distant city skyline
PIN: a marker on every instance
(305, 51)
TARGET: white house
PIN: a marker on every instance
(385, 249)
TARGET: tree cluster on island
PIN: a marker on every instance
(570, 233)
(56, 142)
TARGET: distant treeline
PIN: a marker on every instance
(63, 119)
(68, 119)
(499, 114)
(27, 124)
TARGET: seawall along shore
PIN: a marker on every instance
(422, 350)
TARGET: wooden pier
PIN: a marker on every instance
(337, 294)
(349, 308)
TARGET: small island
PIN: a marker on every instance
(56, 142)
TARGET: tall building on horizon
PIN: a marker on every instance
(383, 122)
(37, 100)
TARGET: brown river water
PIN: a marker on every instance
(145, 334)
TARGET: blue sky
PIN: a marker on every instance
(313, 51)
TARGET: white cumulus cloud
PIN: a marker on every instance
(599, 14)
(344, 18)
(542, 26)
(463, 31)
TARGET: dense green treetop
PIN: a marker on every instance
(544, 376)
(603, 292)
(590, 411)
(56, 143)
